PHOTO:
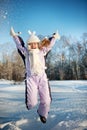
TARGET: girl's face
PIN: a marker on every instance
(33, 45)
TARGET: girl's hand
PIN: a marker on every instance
(12, 32)
(56, 35)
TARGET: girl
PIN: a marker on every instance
(36, 78)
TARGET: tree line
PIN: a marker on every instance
(66, 61)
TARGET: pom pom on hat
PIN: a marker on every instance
(33, 37)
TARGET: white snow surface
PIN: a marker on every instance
(68, 108)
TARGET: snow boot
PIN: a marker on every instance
(43, 119)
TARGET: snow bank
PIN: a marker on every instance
(70, 83)
(13, 125)
(68, 86)
(4, 81)
(71, 125)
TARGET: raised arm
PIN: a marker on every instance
(18, 41)
(47, 44)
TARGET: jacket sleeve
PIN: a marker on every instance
(22, 49)
(49, 47)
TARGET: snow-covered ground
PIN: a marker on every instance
(68, 108)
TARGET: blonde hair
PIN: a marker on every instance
(44, 43)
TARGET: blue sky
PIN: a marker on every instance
(43, 16)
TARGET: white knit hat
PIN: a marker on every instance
(33, 37)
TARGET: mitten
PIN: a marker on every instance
(12, 32)
(56, 35)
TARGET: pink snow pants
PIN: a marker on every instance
(38, 85)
